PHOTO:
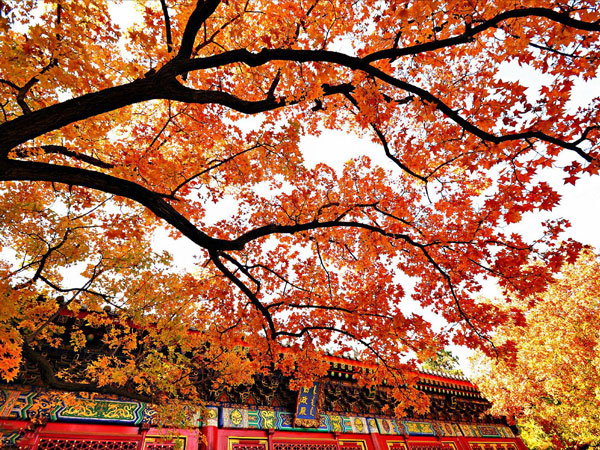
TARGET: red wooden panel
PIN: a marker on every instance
(304, 446)
(85, 444)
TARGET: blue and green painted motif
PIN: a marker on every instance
(37, 404)
(279, 420)
(28, 404)
(413, 428)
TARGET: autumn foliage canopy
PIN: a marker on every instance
(109, 135)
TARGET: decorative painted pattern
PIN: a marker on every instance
(33, 404)
(417, 428)
(7, 401)
(103, 410)
(448, 429)
(261, 419)
(359, 425)
(9, 438)
(387, 426)
(506, 432)
(211, 416)
(235, 418)
(469, 430)
(372, 424)
(279, 420)
(489, 431)
(266, 419)
(39, 404)
(497, 431)
(336, 423)
(413, 428)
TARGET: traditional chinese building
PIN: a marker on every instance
(332, 415)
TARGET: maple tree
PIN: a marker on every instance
(108, 135)
(549, 383)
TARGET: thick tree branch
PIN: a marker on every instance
(204, 9)
(165, 11)
(62, 150)
(161, 85)
(11, 170)
(54, 117)
(354, 63)
(176, 91)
